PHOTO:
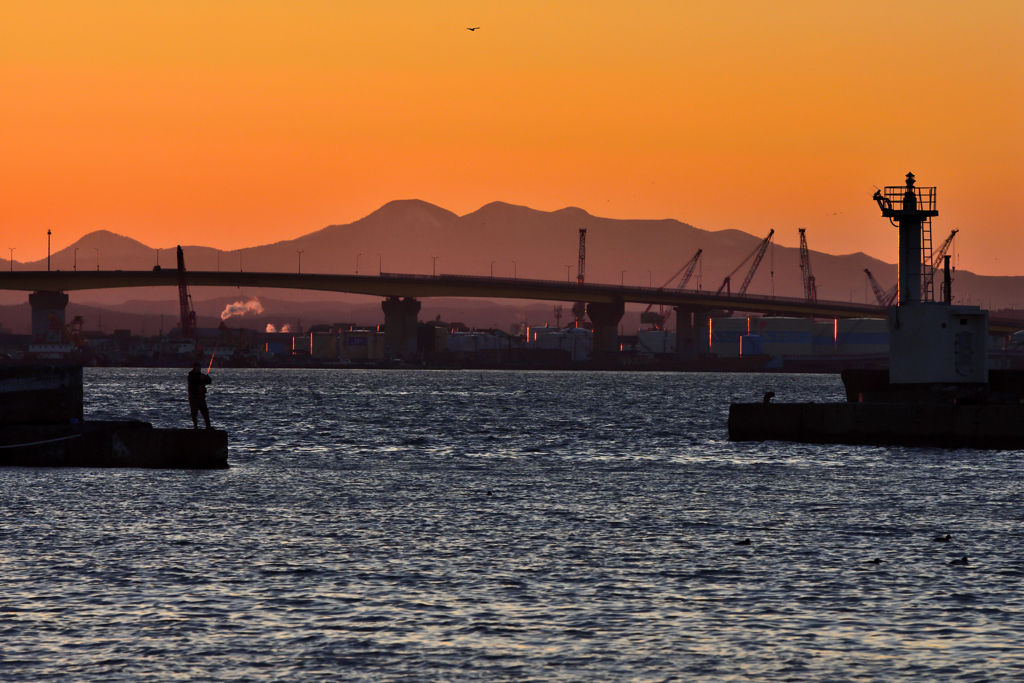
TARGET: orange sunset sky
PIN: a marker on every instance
(233, 124)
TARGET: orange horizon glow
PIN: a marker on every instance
(233, 124)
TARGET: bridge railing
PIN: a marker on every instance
(482, 279)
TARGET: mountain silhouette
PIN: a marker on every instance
(403, 235)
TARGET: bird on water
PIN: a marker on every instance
(959, 563)
(875, 561)
(943, 539)
(745, 541)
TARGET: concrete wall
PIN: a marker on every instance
(934, 342)
(40, 394)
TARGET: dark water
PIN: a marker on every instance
(353, 539)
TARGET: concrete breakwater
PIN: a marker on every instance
(112, 444)
(41, 425)
(900, 424)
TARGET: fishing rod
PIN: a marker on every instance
(211, 361)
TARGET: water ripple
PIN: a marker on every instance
(400, 526)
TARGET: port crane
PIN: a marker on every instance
(188, 315)
(659, 319)
(937, 259)
(810, 287)
(886, 297)
(579, 309)
(757, 255)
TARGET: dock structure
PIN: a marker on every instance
(42, 425)
(937, 391)
(881, 424)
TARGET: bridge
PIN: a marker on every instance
(605, 303)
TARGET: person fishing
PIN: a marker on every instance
(197, 382)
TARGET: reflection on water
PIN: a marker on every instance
(354, 538)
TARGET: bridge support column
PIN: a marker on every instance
(691, 332)
(605, 318)
(400, 326)
(43, 305)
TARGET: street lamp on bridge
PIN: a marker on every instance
(300, 262)
(357, 263)
(76, 259)
(380, 266)
(515, 275)
(622, 279)
(11, 249)
(435, 264)
(492, 268)
(97, 250)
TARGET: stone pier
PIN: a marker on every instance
(400, 338)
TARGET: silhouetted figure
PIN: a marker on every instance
(197, 382)
(768, 396)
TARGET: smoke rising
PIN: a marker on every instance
(239, 308)
(270, 329)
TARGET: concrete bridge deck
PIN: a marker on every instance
(430, 286)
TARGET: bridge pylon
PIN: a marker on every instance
(400, 322)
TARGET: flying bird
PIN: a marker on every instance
(473, 29)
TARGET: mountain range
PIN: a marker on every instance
(507, 240)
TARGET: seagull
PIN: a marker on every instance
(473, 29)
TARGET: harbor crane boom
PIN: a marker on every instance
(937, 259)
(885, 298)
(757, 255)
(661, 317)
(810, 287)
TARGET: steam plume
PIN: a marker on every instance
(239, 308)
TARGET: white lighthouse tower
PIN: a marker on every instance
(930, 343)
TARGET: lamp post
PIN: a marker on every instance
(435, 264)
(568, 270)
(650, 279)
(492, 268)
(47, 251)
(11, 249)
(300, 262)
(622, 279)
(515, 275)
(76, 258)
(97, 250)
(357, 263)
(218, 260)
(158, 257)
(380, 266)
